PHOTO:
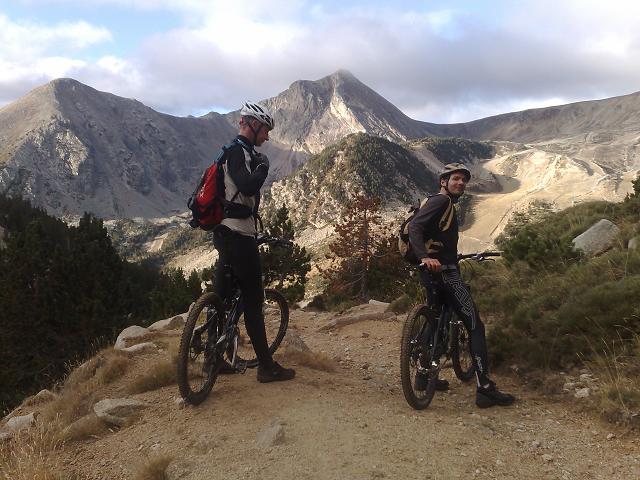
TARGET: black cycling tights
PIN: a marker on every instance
(241, 252)
(458, 295)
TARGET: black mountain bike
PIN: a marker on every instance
(430, 338)
(213, 331)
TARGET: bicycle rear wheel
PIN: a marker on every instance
(416, 351)
(461, 353)
(198, 359)
(276, 320)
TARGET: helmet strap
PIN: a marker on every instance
(446, 188)
(254, 131)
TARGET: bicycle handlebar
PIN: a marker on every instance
(479, 256)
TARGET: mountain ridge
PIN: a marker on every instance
(69, 147)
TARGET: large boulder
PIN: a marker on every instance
(116, 411)
(130, 333)
(598, 238)
(169, 323)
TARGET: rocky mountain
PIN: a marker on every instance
(71, 148)
(314, 114)
(610, 118)
(360, 163)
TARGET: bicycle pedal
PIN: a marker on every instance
(241, 367)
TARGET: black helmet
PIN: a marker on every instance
(450, 168)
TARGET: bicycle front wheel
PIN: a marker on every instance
(198, 358)
(416, 351)
(276, 320)
(461, 353)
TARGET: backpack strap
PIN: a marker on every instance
(222, 158)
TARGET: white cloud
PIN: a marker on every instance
(30, 52)
(445, 65)
(26, 39)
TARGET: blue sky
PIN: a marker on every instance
(437, 61)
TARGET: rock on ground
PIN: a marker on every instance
(117, 410)
(294, 341)
(274, 435)
(129, 333)
(18, 423)
(169, 323)
(598, 238)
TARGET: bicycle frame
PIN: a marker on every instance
(443, 332)
(442, 336)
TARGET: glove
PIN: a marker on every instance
(262, 158)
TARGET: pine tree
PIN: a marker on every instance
(358, 239)
(284, 269)
(62, 289)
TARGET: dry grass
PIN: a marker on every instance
(83, 388)
(105, 366)
(28, 456)
(314, 360)
(147, 337)
(67, 417)
(617, 365)
(86, 427)
(158, 375)
(115, 366)
(154, 468)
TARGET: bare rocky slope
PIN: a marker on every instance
(71, 148)
(343, 417)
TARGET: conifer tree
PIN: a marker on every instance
(358, 239)
(284, 269)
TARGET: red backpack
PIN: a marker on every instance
(207, 200)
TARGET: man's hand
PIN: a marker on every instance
(432, 264)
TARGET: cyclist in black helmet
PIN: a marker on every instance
(433, 236)
(245, 171)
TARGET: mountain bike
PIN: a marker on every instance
(212, 332)
(432, 335)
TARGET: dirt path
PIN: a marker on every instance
(355, 424)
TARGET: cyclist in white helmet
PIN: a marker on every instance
(245, 171)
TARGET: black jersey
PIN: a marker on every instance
(433, 231)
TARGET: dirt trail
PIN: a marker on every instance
(355, 424)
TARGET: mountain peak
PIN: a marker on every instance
(343, 74)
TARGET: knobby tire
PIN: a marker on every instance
(195, 381)
(461, 353)
(276, 318)
(421, 316)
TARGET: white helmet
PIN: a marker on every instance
(258, 112)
